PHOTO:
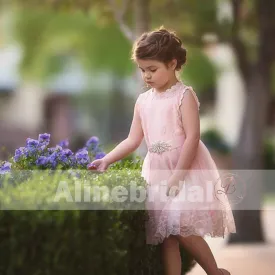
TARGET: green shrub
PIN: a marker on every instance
(269, 155)
(213, 140)
(269, 164)
(53, 240)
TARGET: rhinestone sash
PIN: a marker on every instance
(162, 146)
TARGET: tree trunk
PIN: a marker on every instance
(142, 24)
(248, 157)
(142, 16)
(142, 21)
(248, 153)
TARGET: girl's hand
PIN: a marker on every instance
(173, 187)
(100, 165)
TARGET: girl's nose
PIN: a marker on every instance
(147, 76)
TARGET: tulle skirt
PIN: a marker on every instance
(201, 206)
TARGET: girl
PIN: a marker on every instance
(167, 116)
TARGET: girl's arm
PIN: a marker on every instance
(131, 143)
(191, 124)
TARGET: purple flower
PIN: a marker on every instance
(52, 159)
(32, 143)
(67, 152)
(44, 138)
(82, 156)
(81, 149)
(5, 168)
(42, 161)
(54, 155)
(64, 143)
(62, 157)
(92, 142)
(57, 148)
(51, 150)
(73, 160)
(100, 155)
(30, 151)
(42, 147)
(68, 157)
(19, 153)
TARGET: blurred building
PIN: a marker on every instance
(27, 109)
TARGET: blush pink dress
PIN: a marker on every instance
(202, 206)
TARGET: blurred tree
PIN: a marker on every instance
(253, 38)
(52, 39)
(49, 39)
(89, 31)
(138, 16)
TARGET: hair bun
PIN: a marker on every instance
(181, 57)
(165, 40)
(162, 45)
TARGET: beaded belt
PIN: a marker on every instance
(162, 146)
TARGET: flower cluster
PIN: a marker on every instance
(5, 168)
(38, 155)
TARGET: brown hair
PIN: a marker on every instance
(161, 45)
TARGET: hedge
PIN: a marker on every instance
(45, 238)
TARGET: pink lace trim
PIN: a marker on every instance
(172, 91)
(189, 88)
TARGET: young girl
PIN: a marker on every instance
(167, 116)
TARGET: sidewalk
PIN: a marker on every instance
(246, 259)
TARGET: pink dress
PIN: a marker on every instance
(201, 207)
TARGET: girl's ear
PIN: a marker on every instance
(173, 64)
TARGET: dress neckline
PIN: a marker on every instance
(168, 92)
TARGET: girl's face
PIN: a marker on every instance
(155, 73)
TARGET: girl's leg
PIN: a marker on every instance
(171, 256)
(199, 249)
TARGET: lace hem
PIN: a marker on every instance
(199, 223)
(158, 239)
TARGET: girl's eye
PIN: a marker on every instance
(153, 70)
